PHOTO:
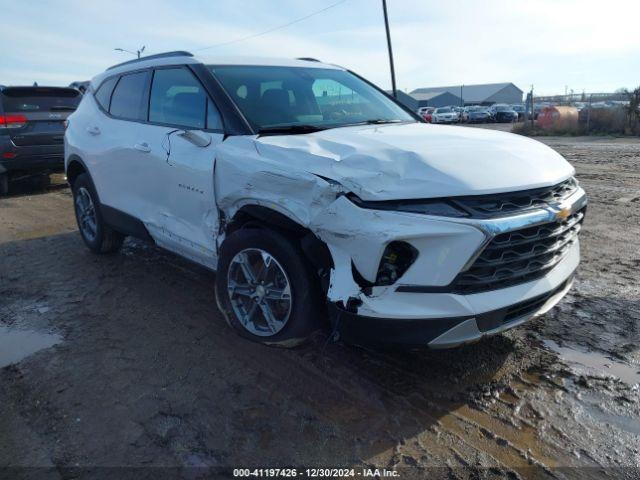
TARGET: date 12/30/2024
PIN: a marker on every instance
(315, 473)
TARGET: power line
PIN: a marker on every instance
(242, 39)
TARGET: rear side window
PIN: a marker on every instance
(39, 99)
(178, 98)
(129, 100)
(103, 95)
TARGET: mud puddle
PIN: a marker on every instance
(595, 363)
(16, 345)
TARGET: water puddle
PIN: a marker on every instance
(596, 363)
(16, 345)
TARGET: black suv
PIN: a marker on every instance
(32, 130)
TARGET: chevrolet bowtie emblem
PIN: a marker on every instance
(563, 214)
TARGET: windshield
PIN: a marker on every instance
(443, 110)
(271, 97)
(34, 99)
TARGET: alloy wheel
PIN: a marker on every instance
(259, 291)
(86, 213)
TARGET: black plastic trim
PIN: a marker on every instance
(389, 332)
(124, 223)
(373, 331)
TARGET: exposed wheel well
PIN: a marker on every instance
(74, 168)
(256, 216)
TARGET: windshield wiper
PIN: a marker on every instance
(61, 107)
(380, 121)
(290, 129)
(376, 121)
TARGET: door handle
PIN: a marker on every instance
(143, 147)
(93, 130)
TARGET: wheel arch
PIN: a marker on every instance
(315, 250)
(76, 167)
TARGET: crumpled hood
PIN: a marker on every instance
(407, 161)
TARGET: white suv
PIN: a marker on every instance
(322, 202)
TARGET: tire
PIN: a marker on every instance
(104, 239)
(4, 184)
(248, 246)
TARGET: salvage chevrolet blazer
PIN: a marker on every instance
(323, 203)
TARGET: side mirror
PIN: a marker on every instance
(199, 139)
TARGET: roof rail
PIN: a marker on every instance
(177, 53)
(308, 59)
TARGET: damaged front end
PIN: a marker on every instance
(389, 267)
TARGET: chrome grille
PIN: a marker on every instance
(486, 206)
(520, 256)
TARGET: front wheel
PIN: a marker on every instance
(97, 235)
(266, 290)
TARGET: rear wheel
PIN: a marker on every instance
(266, 290)
(97, 235)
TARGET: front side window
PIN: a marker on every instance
(129, 100)
(271, 97)
(178, 98)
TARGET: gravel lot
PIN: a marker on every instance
(132, 366)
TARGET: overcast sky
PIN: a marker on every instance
(583, 44)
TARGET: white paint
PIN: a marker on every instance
(420, 160)
(305, 177)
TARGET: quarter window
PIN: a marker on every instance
(178, 98)
(129, 99)
(103, 95)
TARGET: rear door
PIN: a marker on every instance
(121, 168)
(38, 113)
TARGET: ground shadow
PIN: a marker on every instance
(36, 184)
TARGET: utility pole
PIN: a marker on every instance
(386, 26)
(533, 114)
(137, 52)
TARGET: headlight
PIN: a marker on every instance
(440, 207)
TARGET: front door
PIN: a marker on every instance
(187, 131)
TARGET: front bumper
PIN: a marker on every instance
(464, 327)
(421, 308)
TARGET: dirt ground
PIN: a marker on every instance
(123, 361)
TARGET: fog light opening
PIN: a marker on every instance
(396, 260)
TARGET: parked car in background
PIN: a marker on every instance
(82, 86)
(479, 115)
(504, 114)
(539, 107)
(317, 208)
(464, 115)
(444, 115)
(520, 110)
(32, 130)
(426, 113)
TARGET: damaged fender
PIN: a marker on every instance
(351, 233)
